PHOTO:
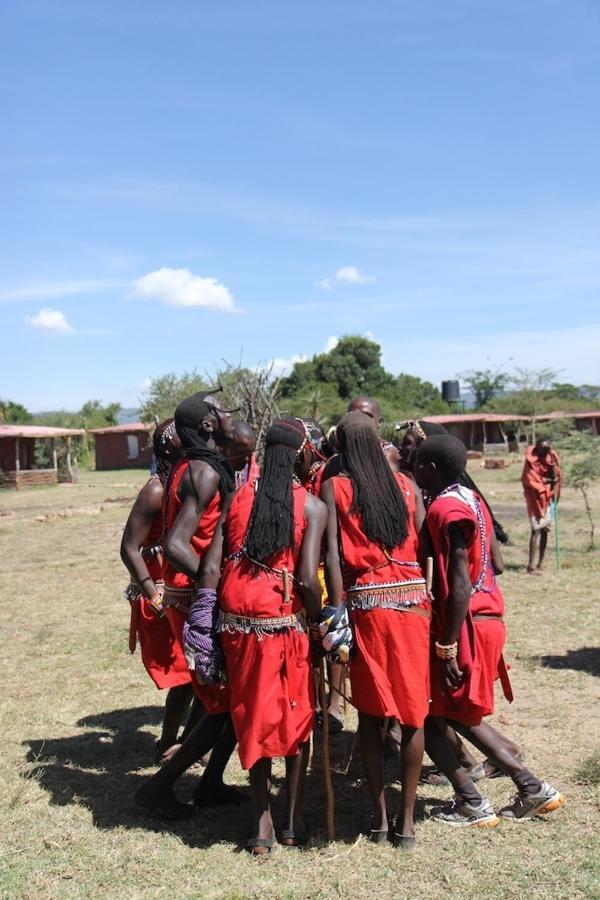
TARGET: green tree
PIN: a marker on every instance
(485, 384)
(581, 468)
(167, 391)
(354, 366)
(14, 413)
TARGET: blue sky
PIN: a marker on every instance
(181, 181)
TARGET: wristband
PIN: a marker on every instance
(446, 651)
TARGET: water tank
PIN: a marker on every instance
(451, 391)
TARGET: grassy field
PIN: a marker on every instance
(80, 716)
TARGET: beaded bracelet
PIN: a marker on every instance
(446, 651)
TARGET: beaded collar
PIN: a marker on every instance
(470, 498)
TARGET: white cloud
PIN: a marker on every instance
(48, 289)
(281, 366)
(52, 320)
(345, 275)
(331, 343)
(181, 288)
(352, 275)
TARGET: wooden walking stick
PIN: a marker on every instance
(556, 532)
(325, 755)
(429, 574)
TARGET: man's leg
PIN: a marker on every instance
(442, 750)
(212, 791)
(157, 792)
(295, 832)
(176, 707)
(501, 753)
(534, 541)
(260, 783)
(371, 751)
(543, 544)
(411, 760)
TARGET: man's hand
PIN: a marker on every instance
(452, 676)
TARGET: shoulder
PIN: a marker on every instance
(200, 473)
(314, 509)
(151, 495)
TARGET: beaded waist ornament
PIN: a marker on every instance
(387, 595)
(260, 626)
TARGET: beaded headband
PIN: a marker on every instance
(411, 425)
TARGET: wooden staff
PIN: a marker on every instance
(286, 585)
(325, 753)
(429, 574)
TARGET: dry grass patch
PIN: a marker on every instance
(79, 718)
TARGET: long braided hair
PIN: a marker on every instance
(377, 497)
(188, 421)
(271, 527)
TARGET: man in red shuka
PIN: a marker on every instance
(541, 481)
(198, 486)
(268, 544)
(142, 553)
(375, 515)
(469, 638)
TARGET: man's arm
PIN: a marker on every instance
(309, 586)
(333, 569)
(198, 487)
(457, 604)
(141, 518)
(210, 570)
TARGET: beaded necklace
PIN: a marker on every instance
(473, 503)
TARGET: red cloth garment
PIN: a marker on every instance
(204, 532)
(538, 491)
(480, 641)
(269, 676)
(215, 698)
(389, 671)
(162, 656)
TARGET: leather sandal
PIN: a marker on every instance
(256, 845)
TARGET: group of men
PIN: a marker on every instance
(228, 564)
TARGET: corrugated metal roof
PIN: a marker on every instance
(126, 428)
(38, 431)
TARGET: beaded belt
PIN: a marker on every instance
(179, 598)
(258, 625)
(401, 595)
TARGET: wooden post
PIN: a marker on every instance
(472, 436)
(54, 456)
(68, 461)
(484, 436)
(17, 462)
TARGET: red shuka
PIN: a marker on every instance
(481, 641)
(215, 699)
(538, 492)
(269, 677)
(162, 655)
(389, 671)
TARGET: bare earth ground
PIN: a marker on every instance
(80, 716)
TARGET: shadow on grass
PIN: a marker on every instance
(586, 659)
(97, 770)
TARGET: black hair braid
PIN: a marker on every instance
(272, 520)
(377, 497)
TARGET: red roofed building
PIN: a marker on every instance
(126, 446)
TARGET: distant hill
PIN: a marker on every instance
(124, 416)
